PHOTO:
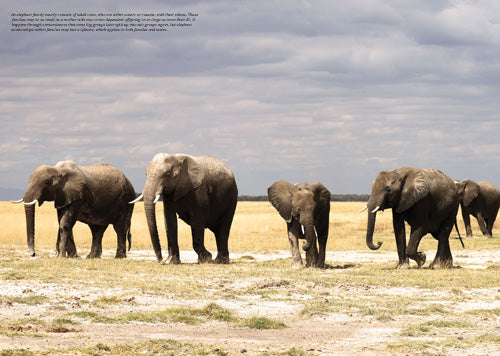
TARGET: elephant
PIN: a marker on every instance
(427, 200)
(97, 195)
(306, 209)
(202, 191)
(480, 200)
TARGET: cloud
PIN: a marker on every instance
(308, 91)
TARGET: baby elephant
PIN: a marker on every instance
(480, 200)
(306, 209)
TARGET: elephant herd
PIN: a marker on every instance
(202, 191)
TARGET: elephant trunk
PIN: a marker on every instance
(372, 215)
(149, 208)
(310, 233)
(29, 211)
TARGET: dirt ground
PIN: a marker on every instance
(331, 334)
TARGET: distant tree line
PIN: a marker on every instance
(334, 197)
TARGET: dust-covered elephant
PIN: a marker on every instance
(97, 195)
(202, 191)
(305, 208)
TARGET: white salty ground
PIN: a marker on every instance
(334, 334)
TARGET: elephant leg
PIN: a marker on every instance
(293, 231)
(198, 236)
(322, 251)
(312, 256)
(491, 221)
(489, 226)
(416, 235)
(443, 257)
(466, 217)
(171, 225)
(221, 233)
(482, 225)
(66, 243)
(97, 234)
(70, 250)
(122, 229)
(400, 234)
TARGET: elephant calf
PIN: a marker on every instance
(97, 195)
(306, 209)
(480, 200)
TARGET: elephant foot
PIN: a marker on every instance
(121, 253)
(173, 260)
(488, 236)
(319, 265)
(204, 257)
(311, 260)
(222, 259)
(438, 263)
(92, 256)
(421, 259)
(297, 265)
(403, 265)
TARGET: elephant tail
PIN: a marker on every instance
(458, 232)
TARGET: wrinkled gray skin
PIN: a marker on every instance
(202, 191)
(308, 206)
(427, 200)
(97, 195)
(480, 200)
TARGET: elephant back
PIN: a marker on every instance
(217, 173)
(107, 182)
(490, 194)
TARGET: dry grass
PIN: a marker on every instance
(431, 311)
(256, 227)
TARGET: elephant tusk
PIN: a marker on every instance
(315, 232)
(375, 210)
(303, 229)
(136, 199)
(366, 207)
(17, 201)
(32, 202)
(156, 199)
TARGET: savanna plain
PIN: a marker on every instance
(257, 305)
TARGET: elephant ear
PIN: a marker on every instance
(280, 196)
(321, 195)
(73, 187)
(415, 187)
(471, 192)
(191, 176)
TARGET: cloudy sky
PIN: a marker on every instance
(330, 91)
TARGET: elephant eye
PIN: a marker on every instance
(47, 182)
(387, 189)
